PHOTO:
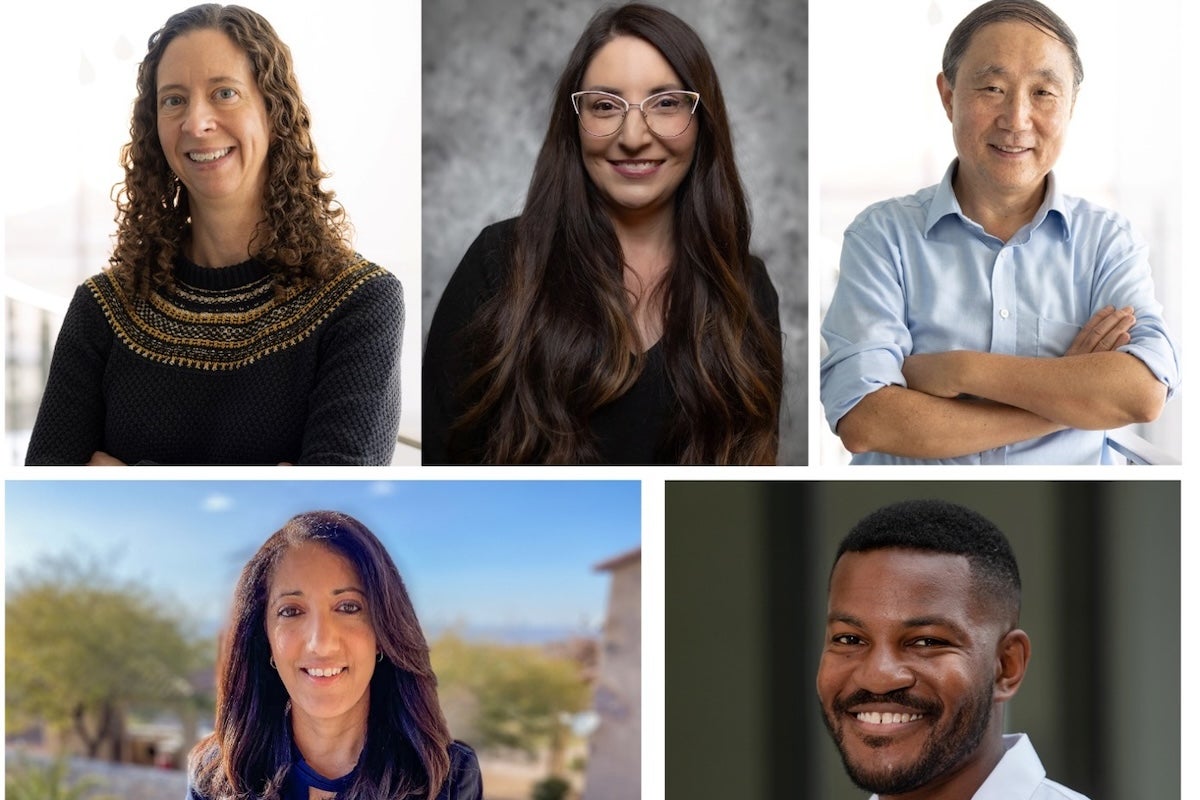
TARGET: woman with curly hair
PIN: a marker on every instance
(236, 325)
(621, 318)
(324, 685)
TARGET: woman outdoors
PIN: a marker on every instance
(236, 324)
(325, 689)
(621, 317)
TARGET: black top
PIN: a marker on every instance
(628, 430)
(463, 783)
(219, 370)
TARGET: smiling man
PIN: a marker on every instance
(922, 651)
(992, 319)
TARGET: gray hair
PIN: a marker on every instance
(1028, 11)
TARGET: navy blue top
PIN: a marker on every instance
(463, 782)
(302, 778)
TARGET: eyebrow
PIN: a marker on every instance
(937, 622)
(177, 87)
(335, 592)
(931, 621)
(666, 87)
(1046, 73)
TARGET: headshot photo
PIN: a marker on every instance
(1002, 272)
(614, 248)
(933, 639)
(217, 274)
(364, 640)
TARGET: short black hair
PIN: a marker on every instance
(938, 526)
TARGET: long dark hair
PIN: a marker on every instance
(554, 344)
(305, 233)
(249, 752)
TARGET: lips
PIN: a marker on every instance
(325, 672)
(639, 168)
(887, 717)
(880, 712)
(1010, 150)
(208, 156)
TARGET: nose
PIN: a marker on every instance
(1016, 112)
(321, 635)
(634, 133)
(883, 670)
(198, 119)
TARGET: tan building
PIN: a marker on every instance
(614, 769)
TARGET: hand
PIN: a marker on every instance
(934, 373)
(102, 459)
(1107, 330)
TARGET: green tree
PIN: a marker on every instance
(84, 649)
(520, 694)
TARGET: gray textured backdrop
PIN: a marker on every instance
(488, 71)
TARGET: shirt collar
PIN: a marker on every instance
(945, 203)
(1019, 772)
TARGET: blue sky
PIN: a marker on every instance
(480, 554)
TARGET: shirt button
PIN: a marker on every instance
(1004, 313)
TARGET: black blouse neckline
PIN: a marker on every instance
(219, 278)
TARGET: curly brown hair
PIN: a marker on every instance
(305, 235)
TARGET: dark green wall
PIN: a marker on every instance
(746, 565)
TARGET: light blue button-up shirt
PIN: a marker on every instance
(918, 276)
(1020, 776)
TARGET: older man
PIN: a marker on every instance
(993, 319)
(922, 651)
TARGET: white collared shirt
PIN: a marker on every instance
(1020, 776)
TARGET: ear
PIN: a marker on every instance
(946, 90)
(1012, 657)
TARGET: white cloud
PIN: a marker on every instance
(217, 503)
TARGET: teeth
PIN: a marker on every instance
(324, 673)
(886, 718)
(213, 156)
(637, 166)
(1005, 149)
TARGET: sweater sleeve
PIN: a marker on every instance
(447, 360)
(354, 408)
(70, 419)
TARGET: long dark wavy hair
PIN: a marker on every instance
(554, 344)
(249, 752)
(304, 237)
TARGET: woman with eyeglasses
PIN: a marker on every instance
(621, 318)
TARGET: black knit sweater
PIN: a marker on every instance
(218, 370)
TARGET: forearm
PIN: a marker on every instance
(912, 424)
(1092, 391)
(354, 405)
(70, 424)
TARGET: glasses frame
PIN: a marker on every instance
(639, 106)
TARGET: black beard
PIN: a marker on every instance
(945, 749)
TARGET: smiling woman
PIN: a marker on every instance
(621, 318)
(324, 683)
(236, 324)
